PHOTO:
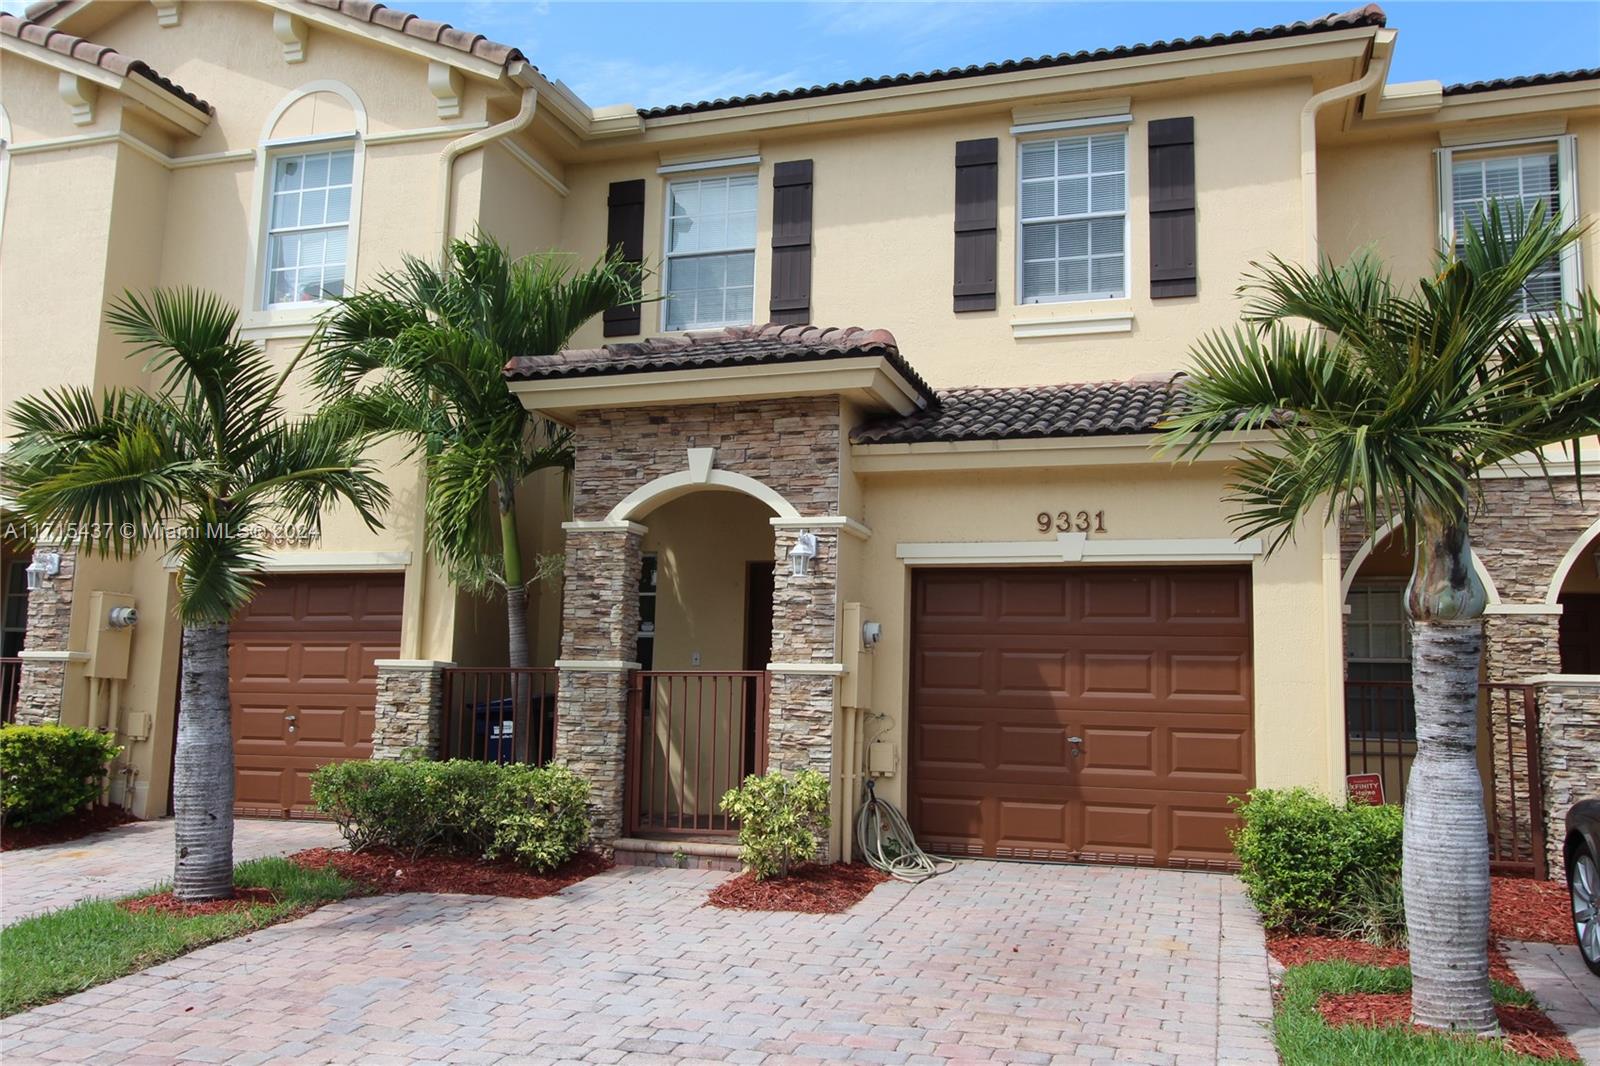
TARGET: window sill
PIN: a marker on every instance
(1071, 324)
(282, 322)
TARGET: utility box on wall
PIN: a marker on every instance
(855, 687)
(110, 634)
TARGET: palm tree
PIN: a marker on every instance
(1390, 401)
(207, 465)
(439, 339)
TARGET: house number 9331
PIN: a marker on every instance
(1071, 521)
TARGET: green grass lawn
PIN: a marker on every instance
(1304, 1039)
(49, 956)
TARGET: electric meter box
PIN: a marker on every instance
(109, 645)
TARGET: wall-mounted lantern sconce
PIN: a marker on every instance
(800, 556)
(45, 564)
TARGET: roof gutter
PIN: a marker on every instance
(1377, 72)
(515, 124)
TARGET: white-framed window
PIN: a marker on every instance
(1072, 207)
(1520, 176)
(711, 252)
(308, 216)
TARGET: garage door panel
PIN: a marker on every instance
(1119, 674)
(951, 670)
(1022, 748)
(1150, 668)
(1033, 671)
(306, 648)
(1025, 824)
(1201, 833)
(1022, 598)
(1116, 596)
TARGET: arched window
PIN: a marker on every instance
(308, 188)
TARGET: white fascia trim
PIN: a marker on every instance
(597, 666)
(843, 523)
(1080, 325)
(314, 562)
(1078, 548)
(1523, 608)
(53, 656)
(1575, 680)
(536, 168)
(709, 164)
(1073, 123)
(605, 526)
(832, 669)
(412, 664)
(1523, 468)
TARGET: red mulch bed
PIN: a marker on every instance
(809, 889)
(1521, 908)
(1298, 950)
(167, 903)
(1527, 1031)
(81, 824)
(389, 871)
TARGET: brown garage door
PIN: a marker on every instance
(1150, 669)
(302, 681)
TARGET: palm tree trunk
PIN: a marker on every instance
(516, 591)
(1446, 862)
(202, 771)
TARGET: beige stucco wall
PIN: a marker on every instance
(882, 246)
(1383, 192)
(1295, 592)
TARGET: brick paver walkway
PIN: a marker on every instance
(128, 858)
(1565, 988)
(999, 962)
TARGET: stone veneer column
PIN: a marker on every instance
(45, 648)
(804, 617)
(599, 642)
(409, 708)
(1569, 744)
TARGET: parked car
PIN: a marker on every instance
(1582, 854)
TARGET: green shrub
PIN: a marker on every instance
(780, 818)
(535, 816)
(1302, 857)
(48, 771)
(1373, 910)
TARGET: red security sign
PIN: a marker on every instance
(1364, 789)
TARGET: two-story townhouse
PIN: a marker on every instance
(939, 548)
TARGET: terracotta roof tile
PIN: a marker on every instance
(1086, 410)
(63, 43)
(475, 44)
(734, 346)
(1370, 15)
(1522, 81)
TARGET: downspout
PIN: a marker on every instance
(1377, 73)
(412, 642)
(1333, 612)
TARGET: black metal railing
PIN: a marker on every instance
(499, 714)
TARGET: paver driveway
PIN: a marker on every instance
(131, 857)
(996, 961)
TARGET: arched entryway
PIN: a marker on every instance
(1576, 590)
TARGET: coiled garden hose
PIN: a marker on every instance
(885, 840)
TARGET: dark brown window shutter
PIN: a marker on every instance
(791, 242)
(625, 230)
(977, 220)
(1172, 241)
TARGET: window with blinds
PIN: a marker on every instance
(308, 226)
(711, 252)
(1521, 183)
(1073, 203)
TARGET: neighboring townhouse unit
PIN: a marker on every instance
(928, 539)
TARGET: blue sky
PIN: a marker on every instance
(664, 53)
